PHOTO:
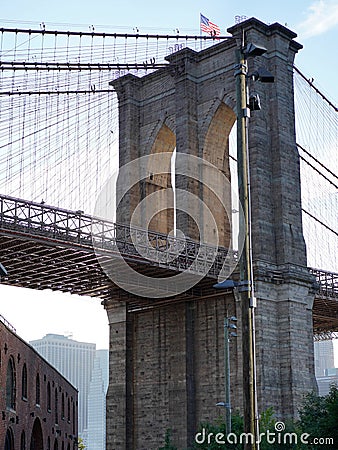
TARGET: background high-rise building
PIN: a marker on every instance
(96, 439)
(75, 360)
(324, 357)
(326, 373)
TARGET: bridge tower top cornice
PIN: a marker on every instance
(269, 30)
(255, 29)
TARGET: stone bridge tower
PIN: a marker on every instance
(166, 362)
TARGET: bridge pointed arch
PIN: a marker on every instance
(216, 152)
(159, 185)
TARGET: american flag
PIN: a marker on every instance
(209, 27)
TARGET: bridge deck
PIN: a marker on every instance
(43, 247)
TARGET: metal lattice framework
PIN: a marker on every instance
(325, 336)
(44, 247)
(59, 113)
(76, 228)
(8, 324)
(327, 283)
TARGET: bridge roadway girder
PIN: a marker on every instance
(47, 265)
(38, 260)
(52, 256)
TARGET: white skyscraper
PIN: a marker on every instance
(75, 360)
(324, 357)
(97, 402)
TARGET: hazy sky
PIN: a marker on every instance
(316, 23)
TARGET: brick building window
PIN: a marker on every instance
(73, 418)
(36, 440)
(23, 441)
(37, 389)
(63, 406)
(68, 410)
(56, 447)
(49, 395)
(24, 382)
(10, 384)
(56, 408)
(9, 441)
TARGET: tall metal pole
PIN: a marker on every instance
(227, 376)
(251, 419)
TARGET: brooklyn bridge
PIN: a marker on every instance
(119, 181)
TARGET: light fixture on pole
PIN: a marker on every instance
(3, 271)
(226, 284)
(246, 284)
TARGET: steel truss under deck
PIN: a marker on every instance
(45, 247)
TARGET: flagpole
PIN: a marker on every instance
(200, 33)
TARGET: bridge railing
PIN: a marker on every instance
(325, 336)
(327, 282)
(8, 324)
(38, 219)
(162, 250)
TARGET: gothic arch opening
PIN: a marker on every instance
(24, 389)
(10, 384)
(37, 437)
(216, 151)
(9, 440)
(23, 441)
(161, 183)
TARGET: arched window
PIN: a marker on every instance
(9, 441)
(56, 407)
(37, 389)
(48, 443)
(37, 436)
(24, 382)
(49, 401)
(63, 406)
(73, 417)
(23, 441)
(10, 384)
(56, 447)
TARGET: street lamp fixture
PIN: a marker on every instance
(3, 271)
(226, 284)
(262, 75)
(225, 405)
(254, 102)
(252, 49)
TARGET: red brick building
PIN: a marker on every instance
(38, 406)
